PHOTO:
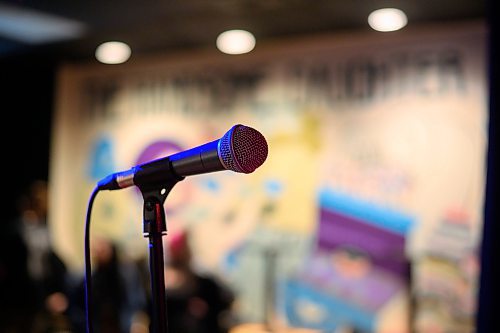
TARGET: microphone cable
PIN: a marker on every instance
(88, 268)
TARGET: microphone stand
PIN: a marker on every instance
(154, 228)
(270, 289)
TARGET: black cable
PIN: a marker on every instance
(88, 268)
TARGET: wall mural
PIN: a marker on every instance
(368, 210)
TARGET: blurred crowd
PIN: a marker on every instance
(40, 295)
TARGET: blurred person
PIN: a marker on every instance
(34, 278)
(196, 303)
(118, 297)
(16, 289)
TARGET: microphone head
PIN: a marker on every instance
(242, 149)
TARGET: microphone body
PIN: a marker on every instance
(198, 160)
(241, 149)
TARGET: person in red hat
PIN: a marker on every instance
(196, 303)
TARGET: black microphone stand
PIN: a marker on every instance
(154, 227)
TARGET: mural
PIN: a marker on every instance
(357, 266)
(370, 201)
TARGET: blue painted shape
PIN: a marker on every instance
(384, 217)
(322, 311)
(232, 259)
(102, 162)
(210, 184)
(273, 187)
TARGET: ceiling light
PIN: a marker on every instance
(387, 19)
(113, 52)
(235, 42)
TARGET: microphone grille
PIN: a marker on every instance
(242, 149)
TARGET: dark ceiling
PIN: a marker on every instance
(159, 25)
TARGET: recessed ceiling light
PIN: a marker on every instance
(113, 52)
(235, 42)
(387, 19)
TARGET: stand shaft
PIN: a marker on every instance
(155, 229)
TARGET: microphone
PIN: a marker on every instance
(241, 149)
